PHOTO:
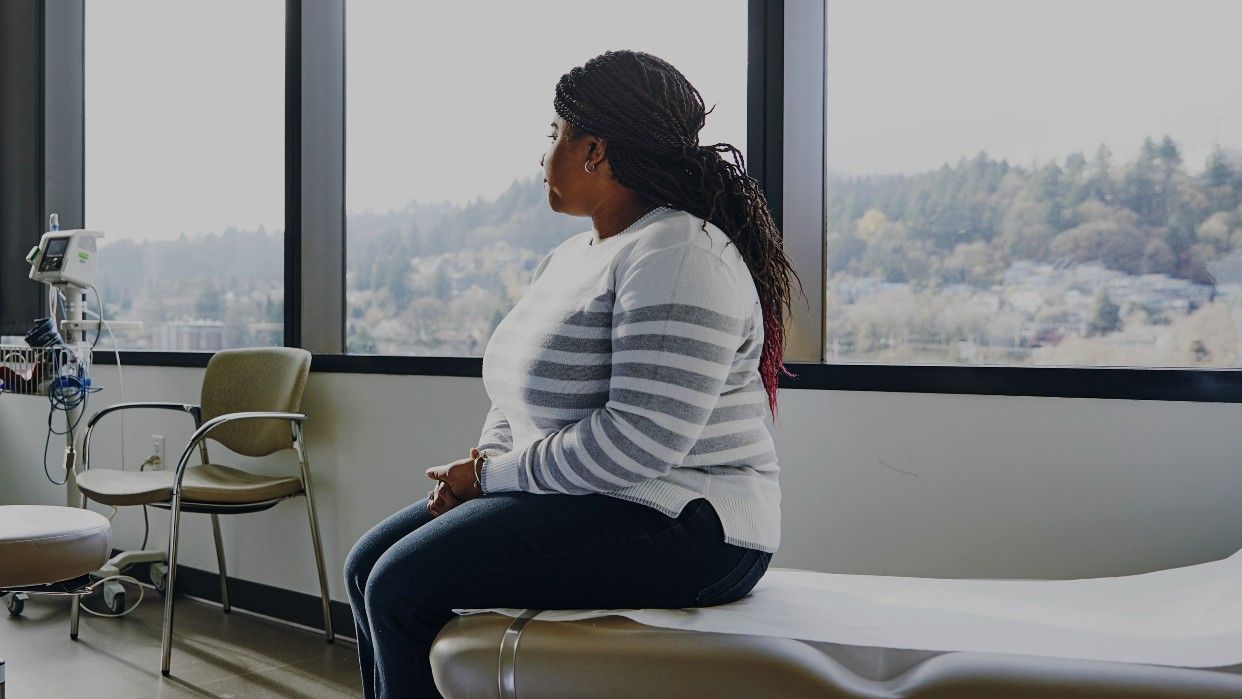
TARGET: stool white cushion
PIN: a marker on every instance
(43, 544)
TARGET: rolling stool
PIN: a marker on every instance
(49, 550)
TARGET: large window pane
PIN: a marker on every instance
(1039, 183)
(448, 109)
(185, 168)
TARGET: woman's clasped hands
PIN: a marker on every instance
(456, 483)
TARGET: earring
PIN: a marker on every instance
(588, 167)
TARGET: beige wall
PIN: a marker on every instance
(897, 484)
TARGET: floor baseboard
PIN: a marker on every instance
(267, 600)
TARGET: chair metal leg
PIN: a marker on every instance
(224, 573)
(174, 527)
(328, 634)
(316, 540)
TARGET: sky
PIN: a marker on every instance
(184, 116)
(185, 99)
(460, 106)
(914, 84)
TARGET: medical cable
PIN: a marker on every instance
(118, 578)
(69, 386)
(120, 375)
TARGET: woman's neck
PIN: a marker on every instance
(614, 216)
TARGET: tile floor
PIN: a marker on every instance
(214, 655)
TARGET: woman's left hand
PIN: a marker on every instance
(459, 477)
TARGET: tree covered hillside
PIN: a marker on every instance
(967, 222)
(1082, 262)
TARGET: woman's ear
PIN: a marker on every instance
(596, 152)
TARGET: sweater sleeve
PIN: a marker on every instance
(496, 437)
(677, 324)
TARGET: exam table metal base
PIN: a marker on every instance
(493, 656)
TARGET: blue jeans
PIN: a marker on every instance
(533, 552)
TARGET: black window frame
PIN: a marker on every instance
(307, 24)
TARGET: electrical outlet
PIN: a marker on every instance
(157, 451)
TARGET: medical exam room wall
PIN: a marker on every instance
(875, 483)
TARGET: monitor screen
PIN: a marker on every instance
(56, 246)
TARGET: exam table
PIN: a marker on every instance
(1170, 633)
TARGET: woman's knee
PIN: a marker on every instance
(404, 587)
(358, 566)
(377, 541)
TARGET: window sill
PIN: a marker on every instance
(1195, 385)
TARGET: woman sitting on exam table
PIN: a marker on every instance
(625, 461)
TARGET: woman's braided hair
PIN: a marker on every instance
(650, 116)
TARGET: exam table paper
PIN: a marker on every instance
(1188, 617)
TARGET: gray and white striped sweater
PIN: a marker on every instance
(631, 368)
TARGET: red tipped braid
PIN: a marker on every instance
(770, 365)
(650, 115)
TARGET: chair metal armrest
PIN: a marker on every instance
(193, 410)
(295, 419)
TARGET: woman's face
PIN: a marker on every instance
(571, 189)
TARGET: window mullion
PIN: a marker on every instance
(802, 173)
(315, 177)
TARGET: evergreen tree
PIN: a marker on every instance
(210, 303)
(1105, 316)
(1218, 173)
(1099, 183)
(1170, 155)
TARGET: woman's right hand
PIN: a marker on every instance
(441, 499)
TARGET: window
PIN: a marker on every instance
(447, 113)
(185, 167)
(1039, 183)
(993, 184)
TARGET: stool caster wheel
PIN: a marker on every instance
(159, 577)
(15, 602)
(114, 597)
